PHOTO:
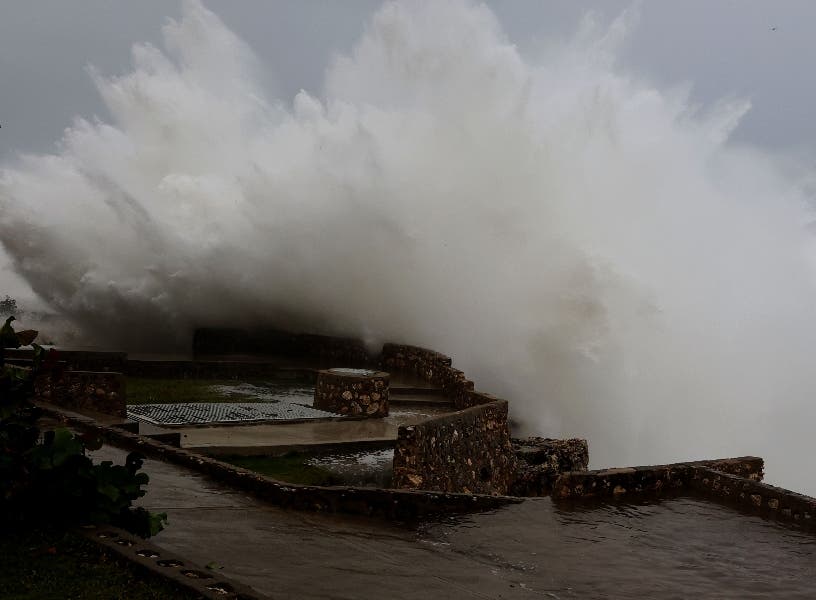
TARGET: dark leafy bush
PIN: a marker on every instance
(45, 476)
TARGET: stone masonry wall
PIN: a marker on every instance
(654, 479)
(768, 500)
(403, 505)
(356, 395)
(345, 352)
(468, 451)
(542, 460)
(435, 368)
(102, 392)
(75, 360)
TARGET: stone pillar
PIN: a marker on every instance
(353, 392)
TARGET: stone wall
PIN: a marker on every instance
(750, 494)
(340, 352)
(468, 451)
(75, 360)
(101, 392)
(435, 368)
(403, 505)
(542, 460)
(356, 394)
(217, 369)
(607, 483)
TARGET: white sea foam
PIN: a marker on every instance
(582, 242)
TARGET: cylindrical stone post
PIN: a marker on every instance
(353, 392)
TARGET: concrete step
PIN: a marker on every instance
(400, 389)
(418, 399)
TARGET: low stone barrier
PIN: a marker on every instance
(427, 364)
(355, 392)
(102, 392)
(748, 493)
(347, 352)
(651, 479)
(404, 505)
(153, 561)
(542, 460)
(220, 369)
(468, 451)
(435, 368)
(76, 360)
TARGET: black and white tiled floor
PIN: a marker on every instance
(198, 413)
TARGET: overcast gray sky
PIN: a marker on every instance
(724, 47)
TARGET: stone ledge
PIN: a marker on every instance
(98, 391)
(158, 562)
(649, 479)
(349, 351)
(768, 500)
(402, 505)
(215, 369)
(542, 460)
(79, 360)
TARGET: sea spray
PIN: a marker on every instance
(583, 243)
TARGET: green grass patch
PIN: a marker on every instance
(143, 390)
(291, 468)
(49, 564)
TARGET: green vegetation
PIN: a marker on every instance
(45, 564)
(143, 390)
(45, 476)
(291, 468)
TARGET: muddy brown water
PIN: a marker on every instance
(677, 548)
(682, 547)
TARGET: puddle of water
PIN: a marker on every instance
(358, 372)
(678, 548)
(268, 392)
(370, 468)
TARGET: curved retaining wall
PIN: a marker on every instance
(434, 368)
(468, 451)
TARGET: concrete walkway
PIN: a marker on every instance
(287, 554)
(677, 548)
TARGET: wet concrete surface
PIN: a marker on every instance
(266, 437)
(421, 403)
(677, 548)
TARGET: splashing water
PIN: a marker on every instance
(581, 242)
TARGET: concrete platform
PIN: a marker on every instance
(268, 438)
(277, 438)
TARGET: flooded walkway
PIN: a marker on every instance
(680, 548)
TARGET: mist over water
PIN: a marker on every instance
(584, 244)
